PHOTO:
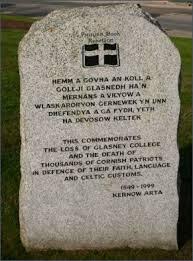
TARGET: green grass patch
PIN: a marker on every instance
(12, 248)
(18, 18)
(185, 129)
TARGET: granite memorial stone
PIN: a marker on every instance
(99, 117)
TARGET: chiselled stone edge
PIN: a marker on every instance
(178, 148)
(23, 186)
(152, 20)
(178, 179)
(176, 138)
(23, 163)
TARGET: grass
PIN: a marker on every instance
(184, 46)
(17, 18)
(12, 248)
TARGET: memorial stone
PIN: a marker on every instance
(99, 118)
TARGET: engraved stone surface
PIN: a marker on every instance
(99, 117)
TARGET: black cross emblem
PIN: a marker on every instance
(100, 55)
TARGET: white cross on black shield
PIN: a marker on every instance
(100, 55)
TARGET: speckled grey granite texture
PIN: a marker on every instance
(99, 154)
